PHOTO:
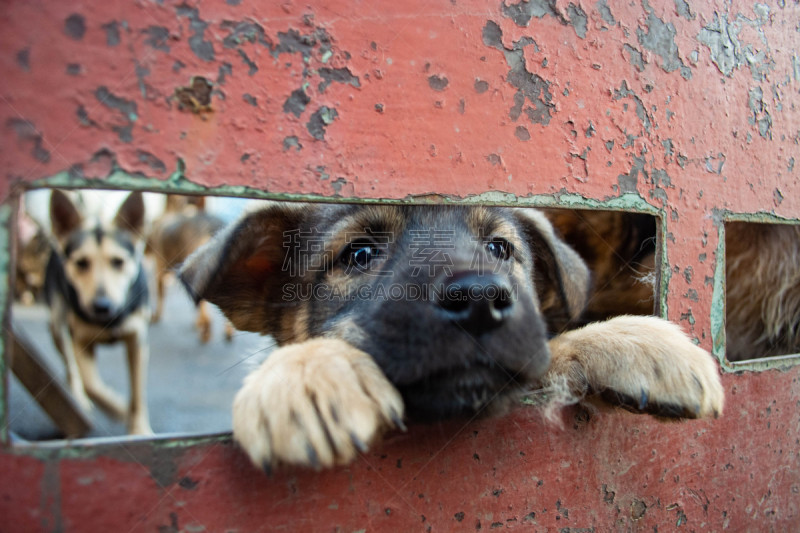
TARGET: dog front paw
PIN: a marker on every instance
(316, 403)
(641, 362)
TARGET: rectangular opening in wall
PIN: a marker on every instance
(762, 290)
(83, 307)
(90, 296)
(623, 253)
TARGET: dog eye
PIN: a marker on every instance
(82, 264)
(360, 254)
(117, 263)
(499, 248)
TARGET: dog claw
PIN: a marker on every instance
(313, 457)
(266, 466)
(397, 421)
(358, 443)
(643, 400)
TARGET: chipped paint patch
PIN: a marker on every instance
(660, 39)
(531, 87)
(728, 52)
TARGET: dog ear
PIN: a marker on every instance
(562, 279)
(64, 216)
(130, 216)
(243, 268)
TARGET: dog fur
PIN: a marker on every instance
(762, 265)
(352, 365)
(32, 254)
(183, 227)
(97, 292)
(762, 272)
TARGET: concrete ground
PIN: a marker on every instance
(191, 385)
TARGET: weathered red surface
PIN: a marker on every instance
(640, 98)
(606, 469)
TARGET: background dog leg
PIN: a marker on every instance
(138, 355)
(160, 282)
(100, 394)
(203, 322)
(64, 346)
(642, 362)
(317, 403)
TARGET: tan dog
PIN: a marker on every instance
(97, 292)
(181, 229)
(429, 312)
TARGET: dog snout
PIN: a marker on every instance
(102, 306)
(477, 302)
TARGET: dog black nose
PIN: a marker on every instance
(102, 306)
(476, 302)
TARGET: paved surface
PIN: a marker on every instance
(191, 385)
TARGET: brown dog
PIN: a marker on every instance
(762, 265)
(181, 229)
(762, 271)
(33, 251)
(432, 312)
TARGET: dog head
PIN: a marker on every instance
(453, 303)
(100, 263)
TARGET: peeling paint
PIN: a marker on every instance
(225, 69)
(27, 133)
(338, 75)
(636, 57)
(660, 39)
(202, 48)
(244, 31)
(112, 33)
(155, 164)
(157, 38)
(530, 87)
(437, 83)
(641, 111)
(297, 102)
(250, 99)
(684, 10)
(252, 68)
(322, 117)
(605, 12)
(127, 108)
(292, 142)
(523, 12)
(75, 26)
(728, 53)
(760, 116)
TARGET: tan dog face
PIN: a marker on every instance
(101, 264)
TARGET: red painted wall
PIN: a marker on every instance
(692, 106)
